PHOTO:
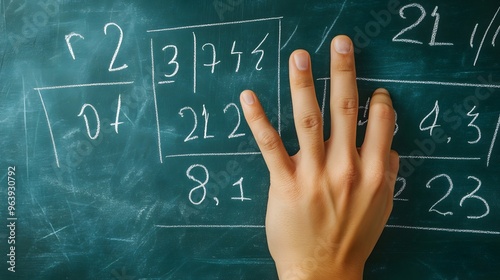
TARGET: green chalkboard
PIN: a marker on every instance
(124, 154)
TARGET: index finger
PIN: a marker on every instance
(275, 155)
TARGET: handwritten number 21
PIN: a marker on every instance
(423, 13)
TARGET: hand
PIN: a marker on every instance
(329, 203)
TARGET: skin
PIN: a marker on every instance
(329, 203)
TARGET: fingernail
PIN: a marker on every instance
(342, 45)
(382, 90)
(248, 98)
(301, 60)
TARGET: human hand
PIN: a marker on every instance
(329, 203)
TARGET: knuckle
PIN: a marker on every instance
(255, 117)
(292, 192)
(377, 173)
(382, 110)
(348, 174)
(311, 121)
(379, 177)
(302, 82)
(348, 106)
(345, 65)
(269, 140)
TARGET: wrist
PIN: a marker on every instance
(311, 270)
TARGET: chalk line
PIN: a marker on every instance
(155, 101)
(444, 229)
(495, 134)
(214, 24)
(212, 154)
(210, 226)
(84, 85)
(422, 82)
(441, 158)
(50, 129)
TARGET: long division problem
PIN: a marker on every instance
(202, 73)
(197, 73)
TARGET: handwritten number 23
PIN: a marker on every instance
(471, 196)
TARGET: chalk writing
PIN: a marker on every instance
(234, 133)
(204, 63)
(471, 124)
(471, 196)
(206, 116)
(240, 185)
(433, 41)
(450, 188)
(423, 13)
(492, 145)
(117, 122)
(435, 112)
(87, 125)
(201, 185)
(111, 67)
(472, 202)
(190, 137)
(399, 189)
(120, 40)
(68, 42)
(484, 36)
(171, 52)
(172, 61)
(197, 195)
(404, 30)
(195, 57)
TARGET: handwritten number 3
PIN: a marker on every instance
(124, 66)
(473, 195)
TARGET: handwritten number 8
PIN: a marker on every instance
(202, 185)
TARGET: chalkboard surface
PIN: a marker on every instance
(124, 154)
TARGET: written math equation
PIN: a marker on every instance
(196, 127)
(199, 132)
(198, 73)
(435, 28)
(479, 37)
(445, 144)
